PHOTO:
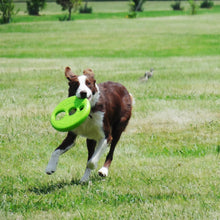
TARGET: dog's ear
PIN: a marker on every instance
(69, 74)
(89, 72)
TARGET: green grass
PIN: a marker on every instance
(106, 10)
(166, 164)
(137, 41)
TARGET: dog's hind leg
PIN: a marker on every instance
(67, 143)
(104, 170)
(116, 134)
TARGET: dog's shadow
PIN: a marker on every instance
(50, 187)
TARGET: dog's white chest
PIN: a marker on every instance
(92, 128)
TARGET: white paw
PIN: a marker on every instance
(51, 167)
(103, 172)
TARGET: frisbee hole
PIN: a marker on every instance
(81, 108)
(72, 111)
(60, 115)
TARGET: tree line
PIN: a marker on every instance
(34, 7)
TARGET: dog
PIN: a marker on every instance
(111, 108)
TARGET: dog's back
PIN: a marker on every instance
(116, 102)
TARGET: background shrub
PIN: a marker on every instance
(177, 5)
(6, 10)
(34, 6)
(132, 10)
(207, 4)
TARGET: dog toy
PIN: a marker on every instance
(70, 113)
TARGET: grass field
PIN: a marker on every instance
(167, 163)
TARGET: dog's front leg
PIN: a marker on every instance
(67, 143)
(92, 163)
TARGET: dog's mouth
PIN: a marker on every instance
(89, 98)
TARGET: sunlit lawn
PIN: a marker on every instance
(166, 164)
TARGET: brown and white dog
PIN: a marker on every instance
(111, 106)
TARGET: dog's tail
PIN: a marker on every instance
(132, 99)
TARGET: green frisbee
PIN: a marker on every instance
(70, 113)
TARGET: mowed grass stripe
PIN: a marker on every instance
(146, 38)
(166, 164)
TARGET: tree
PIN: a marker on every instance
(134, 7)
(85, 8)
(34, 6)
(7, 10)
(138, 4)
(69, 5)
(193, 6)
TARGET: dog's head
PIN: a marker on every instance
(83, 86)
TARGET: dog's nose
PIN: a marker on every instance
(83, 94)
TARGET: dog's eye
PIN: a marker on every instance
(88, 83)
